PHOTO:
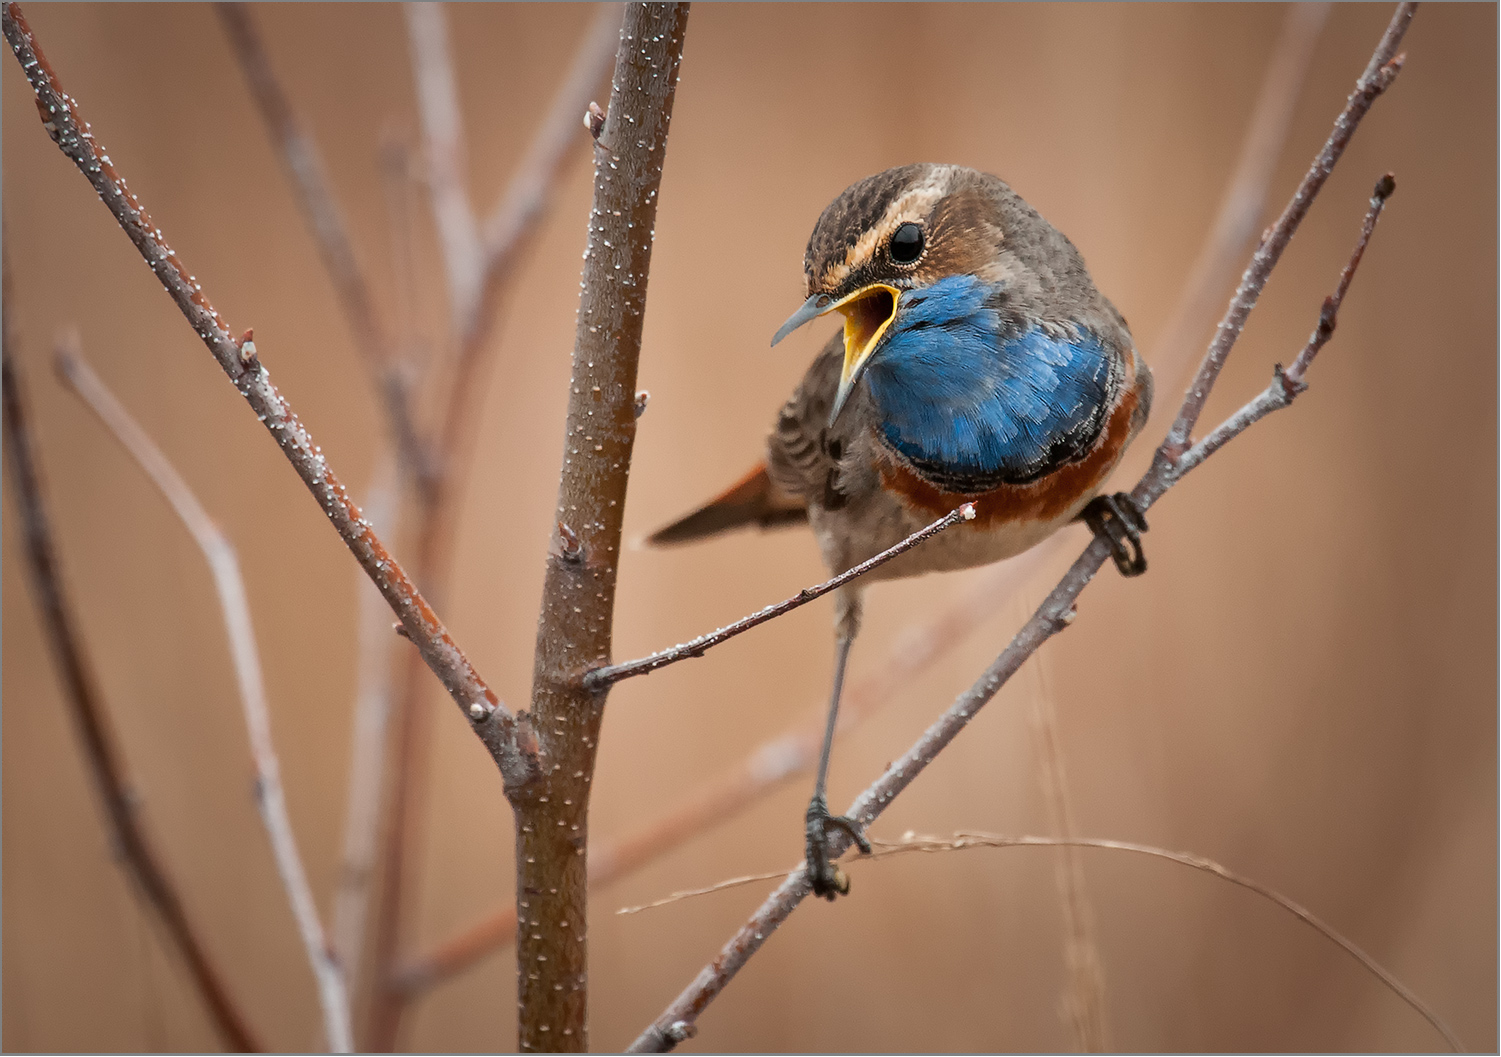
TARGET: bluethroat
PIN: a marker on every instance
(977, 363)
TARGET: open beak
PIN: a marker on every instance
(867, 312)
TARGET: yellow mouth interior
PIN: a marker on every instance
(867, 313)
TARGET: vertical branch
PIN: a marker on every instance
(333, 994)
(443, 148)
(574, 628)
(81, 691)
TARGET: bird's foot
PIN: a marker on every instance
(827, 878)
(1117, 519)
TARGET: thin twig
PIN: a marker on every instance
(600, 678)
(333, 994)
(1287, 384)
(106, 763)
(793, 752)
(1057, 610)
(508, 737)
(965, 841)
(299, 154)
(443, 148)
(1379, 73)
(397, 165)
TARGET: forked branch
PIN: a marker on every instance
(219, 553)
(507, 736)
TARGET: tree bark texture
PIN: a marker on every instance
(574, 627)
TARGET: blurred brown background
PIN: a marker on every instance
(1303, 688)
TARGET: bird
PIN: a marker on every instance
(977, 363)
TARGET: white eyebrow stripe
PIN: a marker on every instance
(913, 205)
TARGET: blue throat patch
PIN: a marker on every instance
(972, 410)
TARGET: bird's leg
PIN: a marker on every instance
(1117, 519)
(827, 878)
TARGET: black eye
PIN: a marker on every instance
(906, 244)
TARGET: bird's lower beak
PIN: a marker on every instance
(867, 312)
(867, 315)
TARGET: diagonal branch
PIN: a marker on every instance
(1057, 610)
(601, 678)
(143, 862)
(508, 737)
(220, 554)
(912, 842)
(299, 155)
(1379, 73)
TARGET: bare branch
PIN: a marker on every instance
(1057, 610)
(333, 994)
(578, 594)
(600, 678)
(143, 862)
(1286, 385)
(310, 186)
(508, 737)
(911, 842)
(443, 147)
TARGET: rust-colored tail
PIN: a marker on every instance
(754, 500)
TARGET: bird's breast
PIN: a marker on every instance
(973, 401)
(1017, 509)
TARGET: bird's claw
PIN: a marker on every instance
(828, 880)
(1119, 521)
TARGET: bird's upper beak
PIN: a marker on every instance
(867, 312)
